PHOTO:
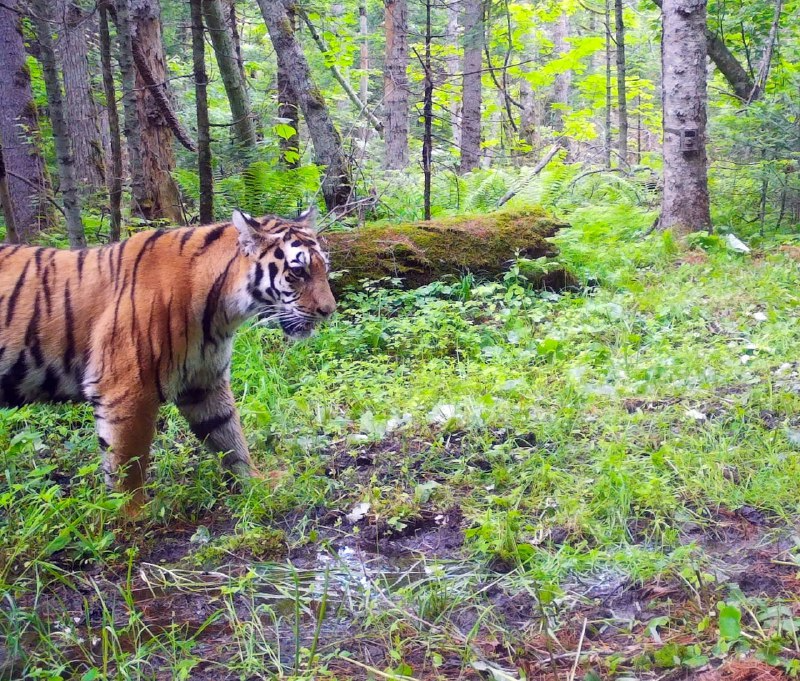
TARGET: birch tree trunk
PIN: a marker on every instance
(622, 96)
(685, 206)
(80, 107)
(395, 84)
(19, 130)
(336, 183)
(161, 198)
(115, 172)
(244, 128)
(471, 95)
(43, 20)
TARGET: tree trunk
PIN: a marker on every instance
(622, 96)
(336, 183)
(471, 95)
(685, 206)
(288, 112)
(161, 198)
(5, 204)
(19, 130)
(43, 20)
(203, 127)
(132, 127)
(422, 252)
(230, 18)
(451, 39)
(563, 81)
(395, 85)
(364, 64)
(244, 128)
(114, 174)
(80, 107)
(427, 140)
(607, 127)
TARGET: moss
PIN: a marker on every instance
(421, 252)
(258, 544)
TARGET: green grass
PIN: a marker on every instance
(606, 433)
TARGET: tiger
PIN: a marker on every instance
(133, 325)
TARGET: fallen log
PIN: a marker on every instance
(419, 253)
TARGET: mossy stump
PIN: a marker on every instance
(421, 252)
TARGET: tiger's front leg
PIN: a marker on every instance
(214, 419)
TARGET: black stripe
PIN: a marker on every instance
(12, 300)
(81, 258)
(37, 256)
(50, 382)
(48, 301)
(211, 237)
(191, 396)
(212, 302)
(273, 273)
(184, 238)
(259, 275)
(11, 381)
(11, 251)
(202, 429)
(147, 245)
(120, 250)
(103, 442)
(69, 328)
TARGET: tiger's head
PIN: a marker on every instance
(288, 275)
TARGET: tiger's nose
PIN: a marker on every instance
(326, 309)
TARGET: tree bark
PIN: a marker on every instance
(427, 140)
(132, 127)
(244, 129)
(622, 96)
(563, 81)
(230, 18)
(452, 60)
(5, 204)
(114, 174)
(607, 127)
(19, 130)
(80, 107)
(43, 20)
(471, 95)
(201, 102)
(161, 199)
(363, 65)
(336, 183)
(685, 206)
(395, 85)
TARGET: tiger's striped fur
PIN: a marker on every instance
(132, 325)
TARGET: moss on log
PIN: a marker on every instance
(421, 252)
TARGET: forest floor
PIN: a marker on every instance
(482, 481)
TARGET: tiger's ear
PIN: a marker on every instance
(308, 218)
(248, 227)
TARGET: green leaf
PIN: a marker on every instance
(730, 618)
(58, 543)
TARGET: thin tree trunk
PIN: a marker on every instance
(201, 103)
(156, 115)
(230, 11)
(451, 39)
(427, 140)
(66, 171)
(685, 206)
(622, 96)
(5, 203)
(114, 175)
(766, 60)
(364, 62)
(288, 112)
(336, 183)
(607, 127)
(360, 104)
(132, 128)
(563, 81)
(80, 107)
(395, 84)
(471, 96)
(244, 128)
(19, 129)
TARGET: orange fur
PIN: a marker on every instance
(130, 326)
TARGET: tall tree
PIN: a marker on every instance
(395, 84)
(685, 206)
(80, 106)
(289, 113)
(336, 182)
(363, 65)
(244, 129)
(5, 204)
(453, 69)
(471, 94)
(19, 128)
(609, 88)
(563, 79)
(43, 20)
(157, 120)
(203, 127)
(622, 93)
(114, 173)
